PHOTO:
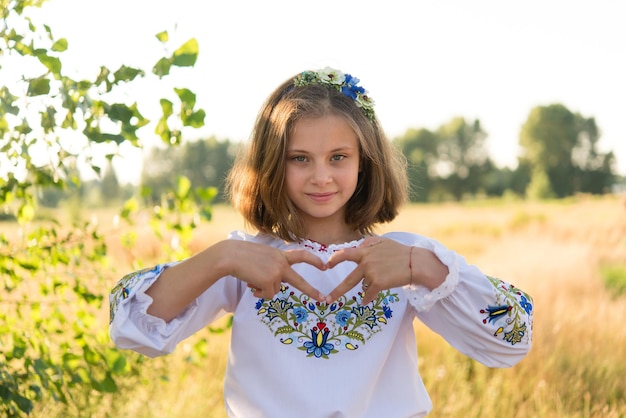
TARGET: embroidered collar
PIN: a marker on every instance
(331, 248)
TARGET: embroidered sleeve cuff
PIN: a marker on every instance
(133, 288)
(421, 297)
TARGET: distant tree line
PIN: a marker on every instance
(559, 158)
(204, 162)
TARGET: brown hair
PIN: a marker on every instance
(255, 184)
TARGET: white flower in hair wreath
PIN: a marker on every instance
(344, 83)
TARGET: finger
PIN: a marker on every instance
(345, 286)
(305, 287)
(369, 295)
(348, 254)
(302, 256)
(371, 241)
(353, 254)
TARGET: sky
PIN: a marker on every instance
(423, 62)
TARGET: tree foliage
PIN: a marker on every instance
(54, 349)
(562, 145)
(462, 156)
(451, 161)
(204, 162)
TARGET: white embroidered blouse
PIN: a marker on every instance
(294, 356)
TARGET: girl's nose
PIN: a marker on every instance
(321, 174)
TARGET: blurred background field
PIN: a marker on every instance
(561, 252)
(110, 166)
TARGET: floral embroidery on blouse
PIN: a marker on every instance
(511, 306)
(122, 289)
(321, 329)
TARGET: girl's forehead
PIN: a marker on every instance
(320, 133)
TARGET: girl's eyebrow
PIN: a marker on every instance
(340, 149)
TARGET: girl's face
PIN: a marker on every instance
(322, 170)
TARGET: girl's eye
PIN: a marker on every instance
(338, 157)
(299, 158)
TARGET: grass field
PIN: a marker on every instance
(556, 251)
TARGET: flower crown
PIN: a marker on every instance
(341, 82)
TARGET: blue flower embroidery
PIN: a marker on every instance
(318, 345)
(528, 307)
(512, 306)
(342, 317)
(321, 329)
(301, 314)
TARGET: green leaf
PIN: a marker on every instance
(130, 206)
(284, 330)
(6, 102)
(183, 187)
(162, 67)
(201, 348)
(163, 36)
(107, 384)
(31, 264)
(60, 45)
(206, 194)
(167, 107)
(38, 86)
(220, 330)
(186, 96)
(125, 73)
(163, 130)
(53, 64)
(356, 336)
(19, 348)
(206, 213)
(195, 119)
(48, 121)
(25, 213)
(97, 136)
(90, 356)
(120, 112)
(71, 360)
(116, 362)
(24, 404)
(187, 54)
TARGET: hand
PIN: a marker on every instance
(265, 268)
(381, 264)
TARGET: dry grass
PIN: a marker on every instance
(552, 250)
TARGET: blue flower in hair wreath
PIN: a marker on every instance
(350, 88)
(344, 83)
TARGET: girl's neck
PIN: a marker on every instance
(329, 230)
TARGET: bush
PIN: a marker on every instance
(614, 278)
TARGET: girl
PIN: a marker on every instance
(323, 308)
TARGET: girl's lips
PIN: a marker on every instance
(321, 197)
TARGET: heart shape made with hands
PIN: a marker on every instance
(336, 281)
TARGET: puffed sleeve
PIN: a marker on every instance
(483, 317)
(131, 327)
